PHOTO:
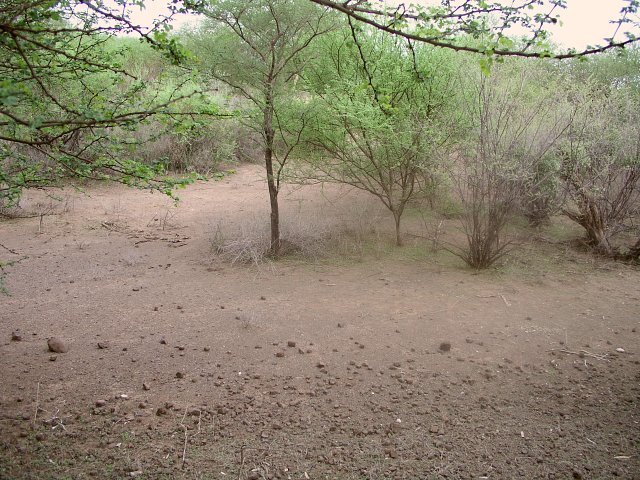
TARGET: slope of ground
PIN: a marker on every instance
(381, 364)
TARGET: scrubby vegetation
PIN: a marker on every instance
(319, 95)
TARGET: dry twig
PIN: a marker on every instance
(35, 414)
(584, 353)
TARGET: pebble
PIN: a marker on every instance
(146, 387)
(57, 345)
(179, 375)
(53, 358)
(280, 354)
(445, 347)
(16, 336)
(391, 453)
(103, 345)
(291, 344)
(100, 403)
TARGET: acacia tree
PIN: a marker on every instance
(451, 23)
(382, 116)
(64, 91)
(257, 49)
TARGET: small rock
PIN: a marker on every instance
(207, 349)
(16, 336)
(620, 350)
(146, 387)
(280, 354)
(434, 429)
(137, 473)
(179, 375)
(40, 436)
(320, 365)
(161, 411)
(291, 344)
(445, 347)
(53, 358)
(163, 341)
(263, 298)
(391, 453)
(103, 345)
(100, 403)
(57, 345)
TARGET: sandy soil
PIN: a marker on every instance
(383, 363)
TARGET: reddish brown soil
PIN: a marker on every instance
(198, 378)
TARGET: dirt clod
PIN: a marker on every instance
(57, 345)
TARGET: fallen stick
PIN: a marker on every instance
(35, 414)
(184, 450)
(505, 301)
(584, 353)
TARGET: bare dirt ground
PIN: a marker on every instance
(371, 362)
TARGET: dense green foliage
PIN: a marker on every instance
(382, 115)
(72, 94)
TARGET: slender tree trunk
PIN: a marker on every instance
(397, 214)
(269, 135)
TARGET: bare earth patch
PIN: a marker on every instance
(394, 365)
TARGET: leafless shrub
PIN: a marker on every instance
(249, 244)
(511, 133)
(307, 235)
(601, 169)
